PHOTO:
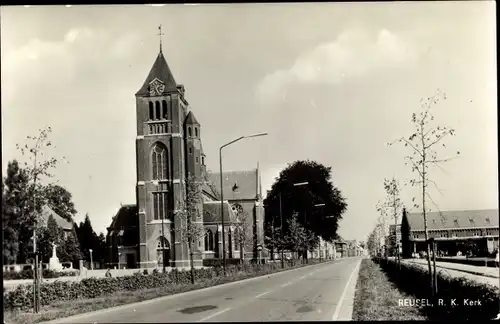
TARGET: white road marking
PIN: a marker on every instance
(213, 315)
(342, 297)
(260, 295)
(286, 284)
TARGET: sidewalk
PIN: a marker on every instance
(480, 274)
(477, 270)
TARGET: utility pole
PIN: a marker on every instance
(282, 237)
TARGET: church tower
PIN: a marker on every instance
(161, 110)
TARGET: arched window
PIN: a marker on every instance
(203, 160)
(189, 132)
(151, 111)
(190, 150)
(196, 131)
(162, 251)
(209, 240)
(160, 162)
(164, 107)
(158, 112)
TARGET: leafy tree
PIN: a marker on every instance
(424, 142)
(191, 230)
(9, 228)
(17, 214)
(60, 200)
(296, 236)
(319, 190)
(69, 251)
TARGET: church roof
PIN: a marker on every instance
(211, 212)
(61, 222)
(125, 217)
(237, 185)
(161, 71)
(454, 219)
(191, 120)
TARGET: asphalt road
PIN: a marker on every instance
(312, 293)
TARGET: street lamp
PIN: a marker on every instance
(91, 261)
(222, 195)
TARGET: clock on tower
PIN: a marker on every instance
(156, 87)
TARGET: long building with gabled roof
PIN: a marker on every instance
(452, 230)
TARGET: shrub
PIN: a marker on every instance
(22, 296)
(414, 280)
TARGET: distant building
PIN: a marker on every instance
(341, 248)
(454, 231)
(66, 226)
(324, 250)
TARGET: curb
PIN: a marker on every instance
(158, 299)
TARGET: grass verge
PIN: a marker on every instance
(74, 307)
(377, 298)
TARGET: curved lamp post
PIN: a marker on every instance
(222, 195)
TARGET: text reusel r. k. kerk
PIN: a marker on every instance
(409, 302)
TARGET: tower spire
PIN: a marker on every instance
(160, 34)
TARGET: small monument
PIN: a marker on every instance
(54, 263)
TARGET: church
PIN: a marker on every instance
(168, 150)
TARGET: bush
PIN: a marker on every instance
(28, 274)
(414, 280)
(58, 291)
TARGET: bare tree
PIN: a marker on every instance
(39, 168)
(241, 226)
(191, 230)
(391, 207)
(424, 142)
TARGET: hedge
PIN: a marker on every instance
(22, 296)
(414, 280)
(28, 274)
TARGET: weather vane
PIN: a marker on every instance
(160, 34)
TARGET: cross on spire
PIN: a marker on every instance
(160, 34)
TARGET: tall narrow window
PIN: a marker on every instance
(209, 241)
(189, 132)
(160, 204)
(196, 131)
(151, 111)
(190, 150)
(158, 109)
(164, 108)
(237, 239)
(160, 162)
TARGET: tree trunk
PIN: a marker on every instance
(242, 254)
(191, 260)
(425, 215)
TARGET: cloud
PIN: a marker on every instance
(354, 54)
(56, 62)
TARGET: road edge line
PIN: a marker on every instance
(354, 272)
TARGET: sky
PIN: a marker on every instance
(330, 82)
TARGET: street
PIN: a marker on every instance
(312, 293)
